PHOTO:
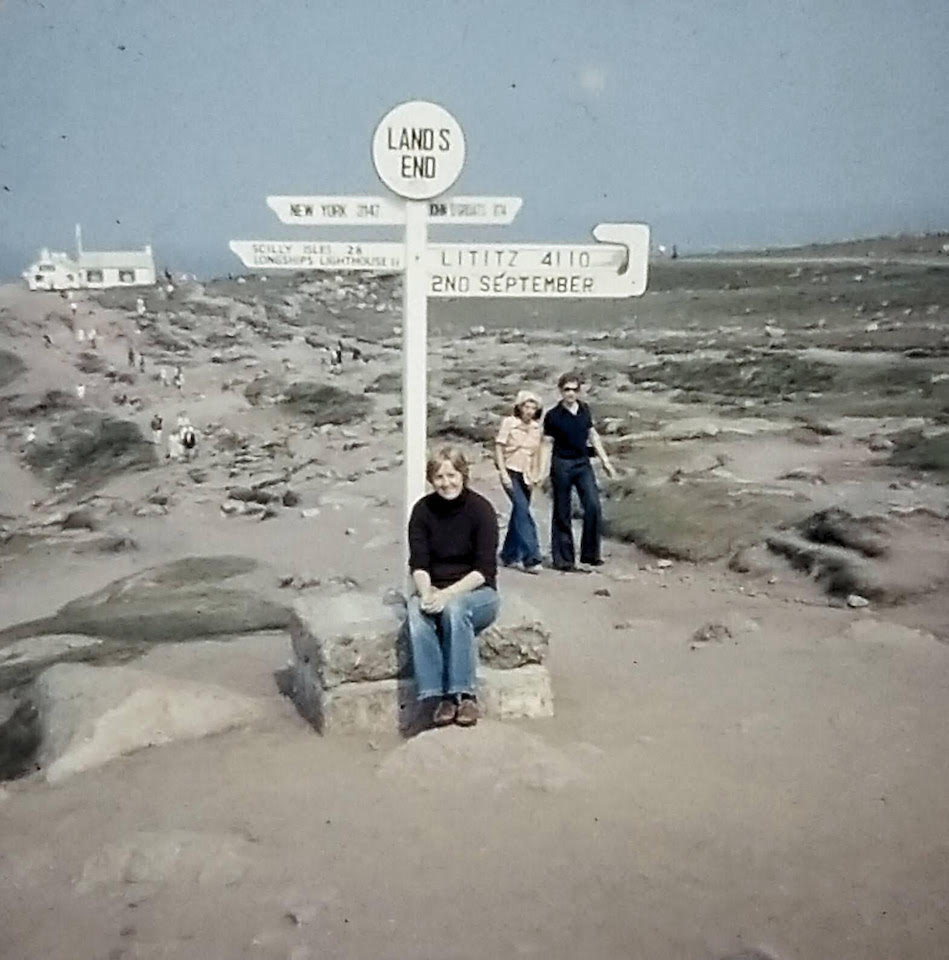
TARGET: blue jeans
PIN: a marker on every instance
(564, 476)
(520, 543)
(444, 651)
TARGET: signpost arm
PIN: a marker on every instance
(414, 360)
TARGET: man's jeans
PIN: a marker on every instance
(444, 650)
(564, 475)
(520, 543)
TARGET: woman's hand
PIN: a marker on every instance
(434, 601)
(506, 481)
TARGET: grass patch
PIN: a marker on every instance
(11, 366)
(388, 382)
(325, 403)
(697, 521)
(922, 453)
(89, 448)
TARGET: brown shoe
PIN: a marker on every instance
(467, 713)
(444, 713)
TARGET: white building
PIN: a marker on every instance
(93, 269)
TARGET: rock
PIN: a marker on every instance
(107, 543)
(19, 735)
(808, 476)
(349, 638)
(753, 560)
(498, 757)
(310, 512)
(855, 600)
(176, 601)
(710, 633)
(91, 715)
(381, 706)
(664, 563)
(151, 510)
(775, 333)
(878, 443)
(351, 667)
(690, 428)
(290, 498)
(601, 592)
(81, 519)
(836, 526)
(841, 571)
(250, 495)
(22, 660)
(517, 638)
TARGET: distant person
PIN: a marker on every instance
(92, 335)
(569, 434)
(156, 426)
(131, 357)
(189, 440)
(140, 306)
(517, 454)
(73, 308)
(80, 390)
(179, 378)
(675, 252)
(47, 340)
(163, 376)
(453, 542)
(141, 362)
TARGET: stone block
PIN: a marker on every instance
(349, 638)
(354, 637)
(516, 638)
(383, 706)
(351, 669)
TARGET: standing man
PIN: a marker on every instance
(568, 435)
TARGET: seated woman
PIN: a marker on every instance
(453, 542)
(517, 453)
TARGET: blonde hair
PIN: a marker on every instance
(452, 455)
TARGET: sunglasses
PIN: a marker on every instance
(569, 389)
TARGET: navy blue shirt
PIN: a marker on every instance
(570, 431)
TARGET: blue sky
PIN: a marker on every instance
(733, 123)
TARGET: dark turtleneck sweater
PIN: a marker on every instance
(450, 538)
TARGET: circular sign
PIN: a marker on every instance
(418, 150)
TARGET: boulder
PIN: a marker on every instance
(91, 715)
(22, 660)
(19, 735)
(176, 601)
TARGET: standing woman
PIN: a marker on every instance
(517, 452)
(453, 542)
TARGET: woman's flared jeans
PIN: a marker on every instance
(444, 650)
(520, 543)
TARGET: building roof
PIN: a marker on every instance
(131, 259)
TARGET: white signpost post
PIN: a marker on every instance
(418, 150)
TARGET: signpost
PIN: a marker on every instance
(418, 150)
(613, 269)
(384, 211)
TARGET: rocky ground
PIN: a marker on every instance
(747, 756)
